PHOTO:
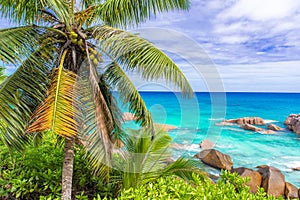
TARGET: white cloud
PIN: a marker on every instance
(240, 31)
(234, 39)
(261, 10)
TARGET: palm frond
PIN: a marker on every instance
(18, 43)
(144, 157)
(20, 94)
(92, 137)
(26, 11)
(117, 78)
(59, 111)
(183, 167)
(61, 9)
(99, 122)
(130, 13)
(84, 4)
(113, 106)
(2, 74)
(85, 16)
(135, 53)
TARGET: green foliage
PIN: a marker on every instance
(144, 159)
(30, 174)
(131, 13)
(2, 74)
(27, 10)
(36, 174)
(230, 186)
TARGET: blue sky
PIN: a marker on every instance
(231, 45)
(254, 44)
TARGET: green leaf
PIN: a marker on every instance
(2, 74)
(19, 95)
(128, 13)
(117, 78)
(135, 53)
(18, 43)
(26, 11)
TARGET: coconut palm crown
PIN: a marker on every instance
(62, 83)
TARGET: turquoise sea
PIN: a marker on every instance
(196, 120)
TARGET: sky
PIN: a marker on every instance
(230, 45)
(253, 44)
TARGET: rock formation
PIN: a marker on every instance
(206, 144)
(288, 119)
(272, 180)
(215, 159)
(248, 123)
(250, 127)
(296, 168)
(247, 120)
(255, 177)
(291, 192)
(293, 123)
(274, 127)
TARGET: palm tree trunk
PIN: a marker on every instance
(67, 170)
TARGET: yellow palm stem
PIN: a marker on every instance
(58, 85)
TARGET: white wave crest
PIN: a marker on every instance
(268, 121)
(216, 119)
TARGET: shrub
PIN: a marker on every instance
(36, 174)
(230, 186)
(32, 173)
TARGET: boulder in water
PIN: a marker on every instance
(206, 144)
(272, 180)
(247, 120)
(250, 127)
(293, 123)
(291, 191)
(296, 168)
(215, 159)
(288, 119)
(274, 127)
(255, 177)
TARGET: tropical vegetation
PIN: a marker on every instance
(36, 174)
(70, 56)
(59, 106)
(2, 74)
(230, 186)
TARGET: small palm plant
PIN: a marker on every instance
(145, 159)
(58, 85)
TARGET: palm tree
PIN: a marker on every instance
(58, 85)
(2, 74)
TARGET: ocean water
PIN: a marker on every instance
(196, 120)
